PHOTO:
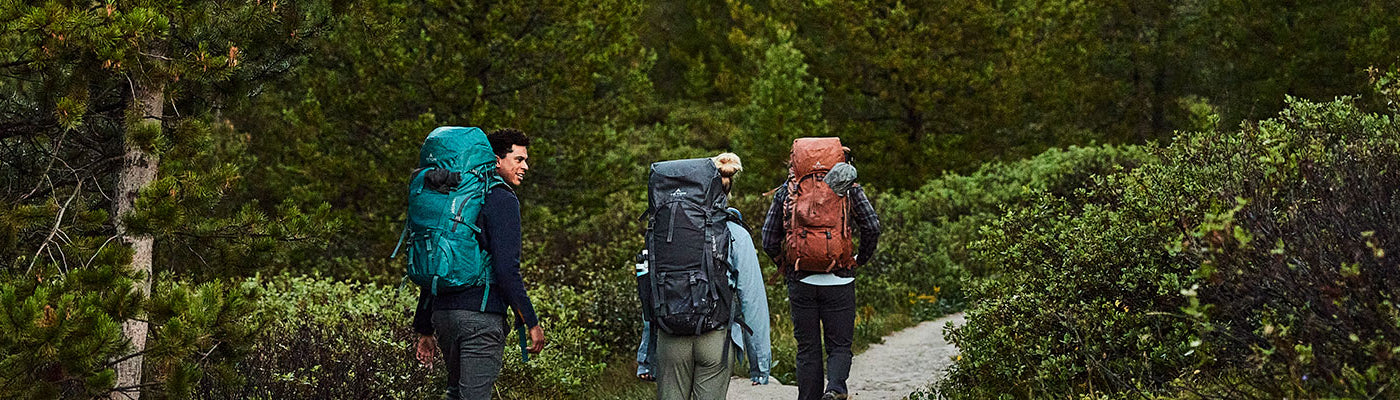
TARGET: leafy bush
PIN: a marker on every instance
(927, 231)
(1241, 264)
(323, 330)
(329, 339)
(1295, 284)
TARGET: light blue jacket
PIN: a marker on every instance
(747, 279)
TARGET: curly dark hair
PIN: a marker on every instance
(502, 140)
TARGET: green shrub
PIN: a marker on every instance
(322, 330)
(1240, 264)
(927, 231)
(1298, 287)
(331, 339)
(578, 347)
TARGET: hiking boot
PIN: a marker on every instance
(834, 395)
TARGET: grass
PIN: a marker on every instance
(620, 381)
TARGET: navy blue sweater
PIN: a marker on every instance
(500, 225)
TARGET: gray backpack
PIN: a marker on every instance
(687, 290)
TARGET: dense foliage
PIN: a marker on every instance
(84, 128)
(931, 228)
(277, 137)
(1241, 264)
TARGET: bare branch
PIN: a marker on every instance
(58, 145)
(197, 255)
(99, 250)
(211, 351)
(156, 56)
(56, 223)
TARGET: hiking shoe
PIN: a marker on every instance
(834, 395)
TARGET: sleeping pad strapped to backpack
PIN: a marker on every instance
(687, 290)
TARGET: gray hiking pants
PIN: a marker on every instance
(691, 367)
(472, 343)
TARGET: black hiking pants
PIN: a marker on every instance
(822, 316)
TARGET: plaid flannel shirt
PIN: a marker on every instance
(861, 211)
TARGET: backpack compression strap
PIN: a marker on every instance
(404, 235)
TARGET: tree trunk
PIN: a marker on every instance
(138, 169)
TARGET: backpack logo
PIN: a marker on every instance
(678, 193)
(819, 165)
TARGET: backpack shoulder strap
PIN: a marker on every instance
(737, 219)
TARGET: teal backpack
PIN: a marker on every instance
(444, 251)
(444, 247)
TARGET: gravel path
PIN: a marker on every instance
(909, 360)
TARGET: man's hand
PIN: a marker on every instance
(426, 349)
(537, 340)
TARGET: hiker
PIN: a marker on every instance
(469, 323)
(807, 234)
(685, 293)
(747, 279)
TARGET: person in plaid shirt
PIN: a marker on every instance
(823, 304)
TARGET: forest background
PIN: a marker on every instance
(199, 197)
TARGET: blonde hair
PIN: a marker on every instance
(728, 164)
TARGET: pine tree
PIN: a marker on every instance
(785, 103)
(97, 97)
(346, 129)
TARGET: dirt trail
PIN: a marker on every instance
(909, 360)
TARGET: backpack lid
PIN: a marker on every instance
(689, 179)
(457, 149)
(815, 155)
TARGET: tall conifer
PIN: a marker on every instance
(95, 95)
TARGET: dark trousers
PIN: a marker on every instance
(822, 315)
(472, 343)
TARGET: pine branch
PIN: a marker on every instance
(125, 390)
(26, 128)
(18, 63)
(242, 235)
(129, 356)
(526, 85)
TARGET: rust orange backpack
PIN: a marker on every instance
(818, 229)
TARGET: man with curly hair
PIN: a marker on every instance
(470, 325)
